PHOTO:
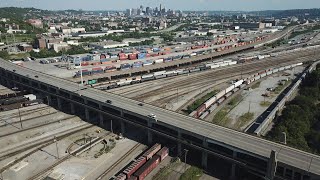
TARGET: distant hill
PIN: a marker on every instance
(22, 13)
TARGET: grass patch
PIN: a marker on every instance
(220, 117)
(256, 85)
(265, 103)
(281, 87)
(19, 56)
(192, 173)
(165, 172)
(244, 119)
(200, 101)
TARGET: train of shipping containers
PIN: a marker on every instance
(132, 56)
(121, 176)
(147, 167)
(125, 66)
(123, 56)
(97, 70)
(110, 68)
(153, 150)
(142, 55)
(134, 166)
(163, 153)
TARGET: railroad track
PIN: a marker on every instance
(28, 119)
(37, 126)
(46, 171)
(107, 171)
(38, 147)
(129, 90)
(25, 112)
(193, 83)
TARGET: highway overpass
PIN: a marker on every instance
(240, 149)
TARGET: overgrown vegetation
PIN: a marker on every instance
(220, 117)
(44, 53)
(192, 173)
(265, 103)
(4, 54)
(164, 173)
(200, 101)
(300, 120)
(256, 85)
(244, 119)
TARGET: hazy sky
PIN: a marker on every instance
(172, 4)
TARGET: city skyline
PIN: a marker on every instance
(207, 5)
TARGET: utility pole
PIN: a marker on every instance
(20, 118)
(185, 158)
(81, 72)
(111, 126)
(56, 141)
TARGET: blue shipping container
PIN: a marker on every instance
(142, 55)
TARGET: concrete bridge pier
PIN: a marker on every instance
(123, 127)
(87, 113)
(72, 108)
(233, 167)
(204, 162)
(101, 120)
(150, 135)
(59, 101)
(272, 165)
(179, 151)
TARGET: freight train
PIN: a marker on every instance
(165, 74)
(144, 164)
(212, 103)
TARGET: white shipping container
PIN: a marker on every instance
(263, 75)
(220, 94)
(158, 73)
(193, 54)
(299, 64)
(268, 73)
(281, 69)
(213, 107)
(287, 67)
(257, 78)
(267, 56)
(224, 64)
(260, 57)
(147, 76)
(204, 115)
(210, 101)
(238, 83)
(214, 66)
(228, 61)
(275, 70)
(229, 88)
(232, 63)
(158, 61)
(31, 97)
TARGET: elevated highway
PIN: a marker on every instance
(241, 149)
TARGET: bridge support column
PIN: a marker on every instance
(179, 144)
(272, 164)
(101, 122)
(59, 103)
(123, 127)
(204, 162)
(87, 114)
(233, 167)
(150, 136)
(72, 108)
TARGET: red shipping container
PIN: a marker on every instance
(133, 56)
(103, 56)
(148, 55)
(147, 168)
(201, 109)
(163, 153)
(135, 166)
(133, 178)
(152, 151)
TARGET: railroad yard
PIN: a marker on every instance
(38, 141)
